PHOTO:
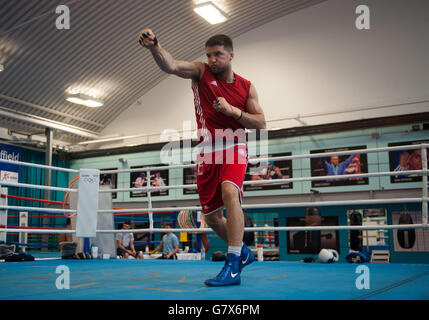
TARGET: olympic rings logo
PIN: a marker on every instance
(89, 179)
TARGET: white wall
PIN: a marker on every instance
(313, 62)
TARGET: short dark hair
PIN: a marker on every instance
(128, 222)
(220, 40)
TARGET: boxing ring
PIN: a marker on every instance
(183, 280)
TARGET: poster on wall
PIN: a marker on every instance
(402, 160)
(9, 172)
(410, 240)
(312, 242)
(158, 178)
(339, 165)
(274, 170)
(109, 179)
(190, 177)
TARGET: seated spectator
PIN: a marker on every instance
(169, 244)
(126, 243)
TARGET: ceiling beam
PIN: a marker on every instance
(52, 111)
(45, 123)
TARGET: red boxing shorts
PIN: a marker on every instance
(216, 168)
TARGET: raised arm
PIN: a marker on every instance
(166, 62)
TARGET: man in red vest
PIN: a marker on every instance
(225, 104)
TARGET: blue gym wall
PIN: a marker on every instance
(377, 162)
(36, 176)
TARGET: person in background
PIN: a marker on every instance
(335, 167)
(415, 160)
(158, 181)
(169, 244)
(409, 160)
(140, 181)
(125, 243)
(273, 172)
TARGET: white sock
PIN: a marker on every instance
(234, 250)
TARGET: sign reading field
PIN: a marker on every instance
(9, 172)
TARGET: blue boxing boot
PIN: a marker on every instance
(229, 275)
(246, 256)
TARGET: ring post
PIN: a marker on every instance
(23, 222)
(425, 187)
(3, 214)
(149, 198)
(87, 203)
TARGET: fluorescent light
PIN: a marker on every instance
(210, 12)
(85, 100)
(93, 103)
(75, 100)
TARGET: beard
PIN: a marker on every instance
(216, 69)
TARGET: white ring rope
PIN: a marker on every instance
(35, 186)
(276, 205)
(35, 165)
(162, 230)
(183, 186)
(40, 209)
(179, 166)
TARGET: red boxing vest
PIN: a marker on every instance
(206, 91)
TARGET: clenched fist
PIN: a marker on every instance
(147, 39)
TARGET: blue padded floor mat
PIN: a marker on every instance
(184, 280)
